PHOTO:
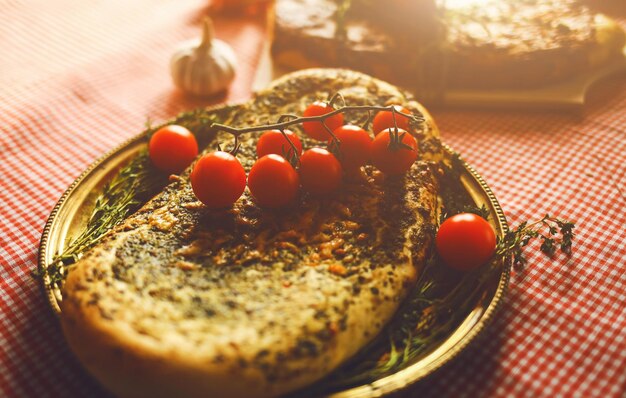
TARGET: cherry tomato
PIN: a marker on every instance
(355, 145)
(465, 241)
(393, 160)
(273, 141)
(273, 182)
(384, 119)
(172, 148)
(218, 179)
(316, 130)
(320, 171)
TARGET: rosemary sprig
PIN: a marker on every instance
(126, 192)
(134, 184)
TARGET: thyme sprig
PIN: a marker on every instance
(554, 233)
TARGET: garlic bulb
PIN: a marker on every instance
(204, 67)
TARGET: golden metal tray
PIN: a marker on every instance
(70, 215)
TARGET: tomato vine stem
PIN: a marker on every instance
(283, 124)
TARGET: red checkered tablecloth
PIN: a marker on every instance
(78, 77)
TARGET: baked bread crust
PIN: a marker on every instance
(501, 44)
(183, 301)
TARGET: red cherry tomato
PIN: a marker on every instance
(316, 130)
(384, 119)
(355, 145)
(218, 179)
(392, 160)
(273, 141)
(273, 182)
(465, 241)
(172, 148)
(320, 171)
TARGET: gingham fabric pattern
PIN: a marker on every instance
(79, 77)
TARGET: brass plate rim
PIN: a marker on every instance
(386, 385)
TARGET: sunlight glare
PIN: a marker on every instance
(456, 4)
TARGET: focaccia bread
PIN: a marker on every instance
(492, 44)
(184, 301)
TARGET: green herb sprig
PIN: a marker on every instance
(133, 185)
(125, 193)
(551, 231)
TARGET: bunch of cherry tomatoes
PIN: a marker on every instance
(464, 241)
(218, 179)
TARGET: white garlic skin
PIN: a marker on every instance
(203, 67)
